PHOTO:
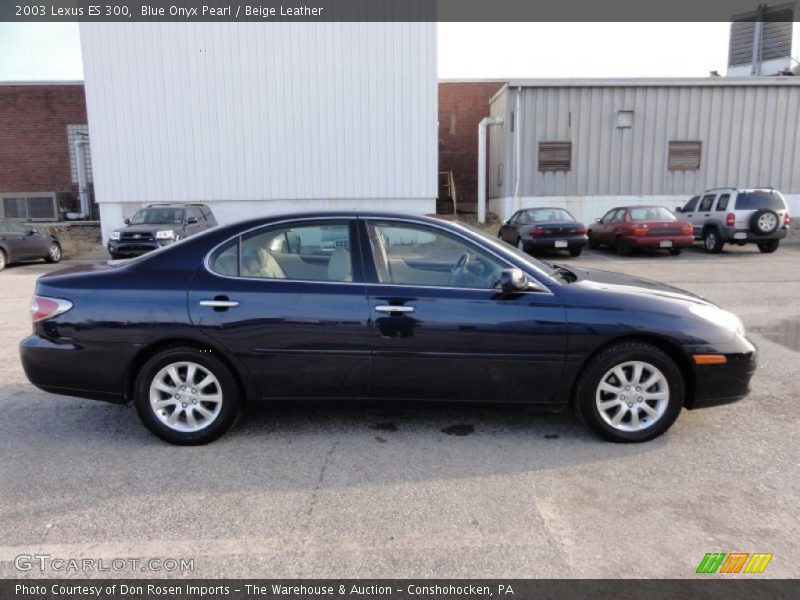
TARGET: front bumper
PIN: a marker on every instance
(717, 384)
(134, 247)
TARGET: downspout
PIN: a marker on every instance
(83, 176)
(517, 149)
(486, 121)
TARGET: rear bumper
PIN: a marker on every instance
(654, 241)
(723, 383)
(70, 369)
(746, 236)
(549, 243)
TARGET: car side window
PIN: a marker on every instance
(17, 227)
(307, 252)
(722, 203)
(690, 205)
(706, 203)
(516, 219)
(410, 254)
(4, 228)
(618, 216)
(606, 218)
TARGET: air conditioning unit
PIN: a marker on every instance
(34, 206)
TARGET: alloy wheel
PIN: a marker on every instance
(711, 240)
(767, 222)
(55, 253)
(632, 396)
(186, 396)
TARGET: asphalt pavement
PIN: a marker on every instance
(319, 490)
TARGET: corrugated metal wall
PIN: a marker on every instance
(750, 136)
(252, 111)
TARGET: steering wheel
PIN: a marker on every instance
(459, 268)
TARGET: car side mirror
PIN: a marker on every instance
(32, 232)
(191, 220)
(126, 221)
(514, 280)
(598, 220)
(678, 209)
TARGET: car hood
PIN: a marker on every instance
(630, 284)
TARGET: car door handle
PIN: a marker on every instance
(219, 303)
(385, 308)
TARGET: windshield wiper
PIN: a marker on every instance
(563, 272)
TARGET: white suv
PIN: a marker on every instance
(737, 216)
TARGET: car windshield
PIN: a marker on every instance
(158, 216)
(760, 199)
(651, 213)
(549, 214)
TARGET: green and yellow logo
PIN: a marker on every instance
(734, 562)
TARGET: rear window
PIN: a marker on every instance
(757, 200)
(652, 213)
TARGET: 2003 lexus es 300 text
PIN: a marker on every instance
(376, 306)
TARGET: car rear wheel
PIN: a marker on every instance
(674, 251)
(186, 397)
(630, 392)
(2, 260)
(769, 247)
(575, 252)
(620, 248)
(712, 242)
(521, 245)
(764, 221)
(54, 253)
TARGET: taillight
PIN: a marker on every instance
(687, 230)
(537, 231)
(787, 219)
(581, 231)
(43, 307)
(730, 219)
(640, 230)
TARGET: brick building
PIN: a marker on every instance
(462, 105)
(38, 125)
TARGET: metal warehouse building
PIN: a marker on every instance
(261, 118)
(589, 145)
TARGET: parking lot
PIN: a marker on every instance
(397, 490)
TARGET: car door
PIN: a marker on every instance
(441, 331)
(24, 243)
(508, 232)
(291, 309)
(603, 230)
(688, 211)
(702, 213)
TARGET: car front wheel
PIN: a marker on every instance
(54, 253)
(630, 392)
(2, 260)
(186, 397)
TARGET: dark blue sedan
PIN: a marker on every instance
(376, 306)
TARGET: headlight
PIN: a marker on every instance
(165, 235)
(720, 317)
(115, 235)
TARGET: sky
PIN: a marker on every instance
(51, 51)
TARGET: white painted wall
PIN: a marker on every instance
(258, 118)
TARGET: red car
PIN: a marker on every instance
(647, 227)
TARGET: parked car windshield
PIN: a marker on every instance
(760, 199)
(651, 213)
(544, 215)
(158, 216)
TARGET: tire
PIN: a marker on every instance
(191, 427)
(769, 247)
(674, 251)
(712, 241)
(575, 252)
(54, 254)
(599, 406)
(592, 243)
(764, 222)
(521, 245)
(3, 260)
(620, 248)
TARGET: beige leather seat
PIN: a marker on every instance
(269, 266)
(340, 267)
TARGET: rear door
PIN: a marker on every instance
(441, 331)
(290, 307)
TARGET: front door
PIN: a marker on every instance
(440, 328)
(288, 301)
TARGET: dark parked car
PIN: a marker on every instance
(159, 225)
(544, 229)
(401, 308)
(643, 227)
(20, 242)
